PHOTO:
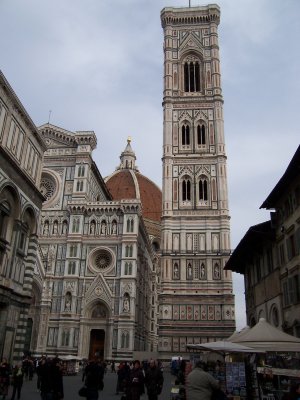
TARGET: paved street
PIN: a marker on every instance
(73, 383)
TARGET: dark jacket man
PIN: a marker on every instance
(153, 380)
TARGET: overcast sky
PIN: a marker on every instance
(98, 65)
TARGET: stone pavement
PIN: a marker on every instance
(73, 383)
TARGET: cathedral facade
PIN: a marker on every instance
(95, 280)
(196, 303)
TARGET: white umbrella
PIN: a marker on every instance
(224, 347)
(265, 336)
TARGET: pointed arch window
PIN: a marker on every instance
(71, 268)
(73, 250)
(192, 76)
(128, 251)
(79, 186)
(185, 135)
(203, 189)
(75, 225)
(81, 170)
(130, 225)
(186, 190)
(65, 338)
(201, 132)
(125, 340)
(128, 268)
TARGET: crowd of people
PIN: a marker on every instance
(136, 378)
(133, 379)
(49, 377)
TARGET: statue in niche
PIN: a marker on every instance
(202, 271)
(92, 228)
(126, 304)
(176, 271)
(46, 228)
(55, 228)
(114, 227)
(216, 271)
(190, 271)
(65, 227)
(103, 228)
(68, 302)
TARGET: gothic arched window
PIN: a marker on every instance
(79, 187)
(128, 251)
(73, 250)
(186, 190)
(191, 76)
(125, 340)
(201, 134)
(130, 225)
(185, 135)
(81, 170)
(71, 268)
(203, 189)
(128, 268)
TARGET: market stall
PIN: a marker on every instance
(70, 364)
(231, 370)
(274, 373)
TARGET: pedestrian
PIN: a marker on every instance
(181, 372)
(113, 366)
(58, 386)
(51, 380)
(94, 374)
(4, 378)
(17, 381)
(200, 384)
(153, 380)
(122, 377)
(135, 387)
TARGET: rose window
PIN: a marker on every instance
(47, 187)
(102, 259)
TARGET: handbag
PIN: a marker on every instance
(82, 392)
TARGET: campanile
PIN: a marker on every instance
(196, 303)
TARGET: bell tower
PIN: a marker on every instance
(196, 301)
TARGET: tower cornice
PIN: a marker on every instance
(183, 16)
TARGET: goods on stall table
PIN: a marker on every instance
(236, 379)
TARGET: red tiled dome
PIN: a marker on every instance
(130, 184)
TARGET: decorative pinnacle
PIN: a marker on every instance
(129, 139)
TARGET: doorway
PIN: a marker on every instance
(97, 339)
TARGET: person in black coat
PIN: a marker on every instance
(135, 386)
(17, 381)
(94, 374)
(153, 380)
(51, 380)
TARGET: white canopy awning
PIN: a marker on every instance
(223, 346)
(266, 337)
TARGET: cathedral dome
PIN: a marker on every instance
(128, 183)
